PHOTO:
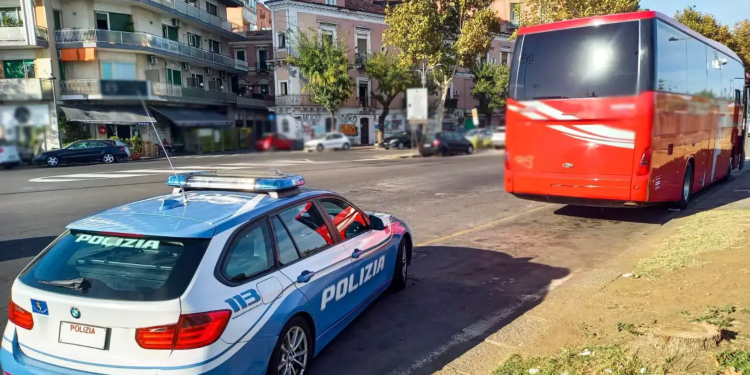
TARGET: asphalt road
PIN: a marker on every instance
(482, 258)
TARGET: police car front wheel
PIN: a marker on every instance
(293, 349)
(402, 266)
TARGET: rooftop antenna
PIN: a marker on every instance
(166, 154)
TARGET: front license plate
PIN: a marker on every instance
(83, 335)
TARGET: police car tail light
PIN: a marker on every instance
(191, 331)
(20, 317)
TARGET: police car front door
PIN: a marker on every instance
(319, 266)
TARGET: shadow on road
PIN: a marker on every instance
(450, 289)
(24, 248)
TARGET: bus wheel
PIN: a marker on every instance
(729, 169)
(687, 189)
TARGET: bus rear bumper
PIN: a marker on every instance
(585, 190)
(577, 201)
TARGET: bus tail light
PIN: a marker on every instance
(19, 316)
(507, 161)
(645, 166)
(191, 331)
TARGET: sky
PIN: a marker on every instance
(726, 11)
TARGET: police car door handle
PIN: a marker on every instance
(357, 253)
(305, 276)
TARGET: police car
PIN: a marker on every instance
(229, 274)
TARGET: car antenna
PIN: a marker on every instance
(153, 126)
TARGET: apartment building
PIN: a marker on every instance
(362, 23)
(258, 83)
(26, 74)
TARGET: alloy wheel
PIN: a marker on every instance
(293, 358)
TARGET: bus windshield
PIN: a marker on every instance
(586, 62)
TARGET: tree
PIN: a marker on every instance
(705, 24)
(393, 78)
(535, 12)
(490, 87)
(741, 40)
(441, 36)
(324, 64)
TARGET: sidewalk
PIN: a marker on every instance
(696, 267)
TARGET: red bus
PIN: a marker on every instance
(621, 110)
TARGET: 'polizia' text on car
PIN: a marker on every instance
(251, 275)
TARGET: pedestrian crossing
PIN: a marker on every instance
(146, 172)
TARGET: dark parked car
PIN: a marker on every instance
(83, 152)
(399, 140)
(445, 143)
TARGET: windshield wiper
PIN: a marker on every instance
(75, 284)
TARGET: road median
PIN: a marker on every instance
(675, 302)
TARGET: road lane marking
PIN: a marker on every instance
(480, 327)
(483, 226)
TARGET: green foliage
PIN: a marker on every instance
(596, 360)
(490, 87)
(705, 24)
(535, 12)
(325, 66)
(136, 144)
(441, 36)
(717, 317)
(629, 328)
(9, 21)
(393, 78)
(741, 40)
(737, 360)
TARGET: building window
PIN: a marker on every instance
(212, 9)
(196, 81)
(194, 40)
(102, 21)
(11, 17)
(57, 14)
(214, 46)
(504, 58)
(363, 43)
(174, 77)
(283, 88)
(118, 70)
(264, 88)
(281, 40)
(169, 32)
(285, 126)
(114, 21)
(239, 54)
(331, 2)
(19, 69)
(515, 12)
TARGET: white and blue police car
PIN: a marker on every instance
(229, 274)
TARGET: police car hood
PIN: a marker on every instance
(167, 216)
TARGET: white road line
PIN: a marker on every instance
(179, 169)
(156, 171)
(257, 164)
(480, 327)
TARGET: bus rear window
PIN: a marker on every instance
(586, 62)
(117, 267)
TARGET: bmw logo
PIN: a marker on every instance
(75, 313)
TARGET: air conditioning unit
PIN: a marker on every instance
(222, 74)
(208, 71)
(152, 60)
(176, 22)
(185, 66)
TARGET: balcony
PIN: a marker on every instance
(360, 59)
(366, 102)
(295, 101)
(139, 41)
(281, 54)
(16, 36)
(250, 15)
(23, 89)
(83, 89)
(256, 101)
(184, 10)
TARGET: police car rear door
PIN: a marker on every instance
(372, 262)
(321, 267)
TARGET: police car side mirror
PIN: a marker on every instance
(376, 223)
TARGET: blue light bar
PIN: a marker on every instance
(255, 183)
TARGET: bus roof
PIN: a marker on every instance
(624, 17)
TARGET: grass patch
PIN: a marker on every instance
(580, 361)
(703, 232)
(737, 360)
(717, 317)
(629, 328)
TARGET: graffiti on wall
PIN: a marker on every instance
(348, 125)
(308, 125)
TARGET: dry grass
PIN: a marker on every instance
(703, 232)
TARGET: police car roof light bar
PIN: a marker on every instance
(255, 182)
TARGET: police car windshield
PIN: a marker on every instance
(119, 267)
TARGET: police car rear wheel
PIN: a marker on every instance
(402, 268)
(292, 351)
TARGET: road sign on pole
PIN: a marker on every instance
(416, 104)
(475, 116)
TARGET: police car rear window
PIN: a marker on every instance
(120, 267)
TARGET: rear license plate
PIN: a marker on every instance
(427, 145)
(83, 335)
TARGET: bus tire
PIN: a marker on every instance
(729, 169)
(687, 189)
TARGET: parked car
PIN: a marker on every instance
(86, 151)
(334, 141)
(273, 142)
(479, 137)
(445, 143)
(399, 140)
(119, 144)
(9, 155)
(498, 138)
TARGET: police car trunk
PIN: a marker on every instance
(96, 299)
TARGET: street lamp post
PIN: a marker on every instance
(54, 111)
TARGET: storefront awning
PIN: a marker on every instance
(191, 117)
(107, 114)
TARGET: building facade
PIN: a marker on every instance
(363, 24)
